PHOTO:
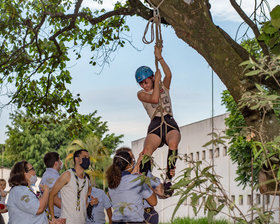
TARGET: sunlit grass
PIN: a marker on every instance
(197, 221)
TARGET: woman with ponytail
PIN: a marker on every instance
(126, 192)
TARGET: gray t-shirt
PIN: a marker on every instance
(22, 207)
(127, 199)
(98, 215)
(155, 181)
(49, 178)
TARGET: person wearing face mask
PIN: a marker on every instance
(74, 187)
(53, 166)
(151, 216)
(23, 205)
(126, 193)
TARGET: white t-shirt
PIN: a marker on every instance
(165, 103)
(69, 200)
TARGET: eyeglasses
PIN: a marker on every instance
(30, 169)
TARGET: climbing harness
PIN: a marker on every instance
(161, 109)
(155, 23)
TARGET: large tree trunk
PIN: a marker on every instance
(193, 24)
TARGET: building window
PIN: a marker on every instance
(197, 156)
(191, 157)
(233, 198)
(217, 152)
(203, 155)
(225, 151)
(258, 199)
(210, 153)
(240, 199)
(249, 199)
(267, 199)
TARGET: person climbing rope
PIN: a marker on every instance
(162, 129)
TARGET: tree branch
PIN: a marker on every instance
(251, 24)
(135, 8)
(240, 50)
(143, 11)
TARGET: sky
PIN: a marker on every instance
(112, 92)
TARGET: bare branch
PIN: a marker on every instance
(118, 12)
(251, 24)
(135, 8)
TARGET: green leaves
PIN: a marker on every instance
(37, 37)
(270, 31)
(199, 187)
(263, 99)
(275, 17)
(31, 137)
(239, 149)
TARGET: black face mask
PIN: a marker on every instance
(85, 164)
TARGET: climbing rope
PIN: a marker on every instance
(155, 24)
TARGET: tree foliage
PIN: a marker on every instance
(240, 150)
(29, 137)
(99, 156)
(37, 38)
(270, 31)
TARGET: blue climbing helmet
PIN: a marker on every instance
(142, 73)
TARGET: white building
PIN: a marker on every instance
(194, 136)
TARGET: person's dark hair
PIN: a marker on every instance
(50, 158)
(2, 180)
(114, 172)
(77, 153)
(123, 149)
(17, 177)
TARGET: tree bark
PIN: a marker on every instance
(194, 25)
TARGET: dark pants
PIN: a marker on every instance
(1, 219)
(161, 131)
(151, 216)
(128, 222)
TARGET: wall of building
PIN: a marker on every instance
(194, 136)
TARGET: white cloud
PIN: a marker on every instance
(106, 4)
(220, 9)
(223, 10)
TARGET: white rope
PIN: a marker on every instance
(153, 6)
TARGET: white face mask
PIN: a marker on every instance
(130, 168)
(61, 165)
(33, 180)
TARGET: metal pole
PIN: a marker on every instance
(212, 117)
(252, 187)
(2, 167)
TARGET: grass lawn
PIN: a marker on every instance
(196, 221)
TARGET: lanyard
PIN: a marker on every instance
(29, 188)
(46, 211)
(79, 190)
